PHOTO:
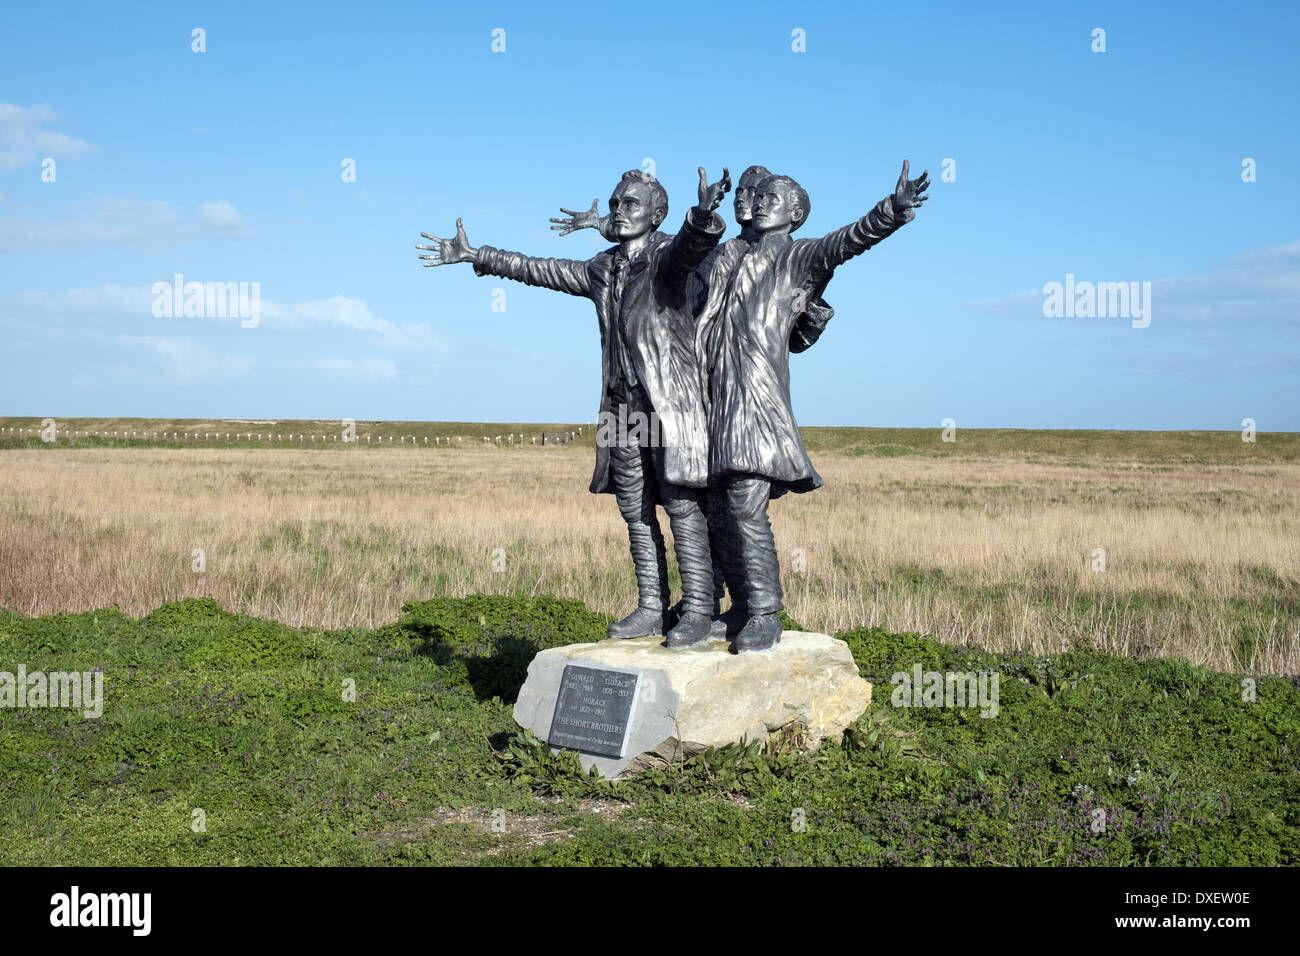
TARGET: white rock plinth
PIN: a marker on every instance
(707, 696)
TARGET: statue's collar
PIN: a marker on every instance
(653, 241)
(774, 240)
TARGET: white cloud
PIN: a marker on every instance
(346, 314)
(1260, 288)
(113, 220)
(23, 141)
(356, 315)
(186, 361)
(221, 218)
(111, 298)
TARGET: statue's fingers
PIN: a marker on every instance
(726, 179)
(434, 238)
(595, 205)
(460, 229)
(567, 212)
(430, 265)
(419, 245)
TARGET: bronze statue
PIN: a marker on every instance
(697, 338)
(755, 450)
(808, 327)
(649, 368)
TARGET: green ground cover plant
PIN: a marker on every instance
(230, 740)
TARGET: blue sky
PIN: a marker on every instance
(225, 166)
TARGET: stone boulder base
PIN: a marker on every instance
(706, 696)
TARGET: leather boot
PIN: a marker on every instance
(692, 629)
(643, 622)
(730, 622)
(761, 632)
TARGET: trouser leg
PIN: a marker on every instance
(685, 507)
(747, 500)
(719, 579)
(634, 489)
(724, 543)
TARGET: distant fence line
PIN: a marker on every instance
(444, 441)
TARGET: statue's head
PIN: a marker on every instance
(780, 203)
(744, 196)
(637, 206)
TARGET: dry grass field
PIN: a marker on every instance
(991, 541)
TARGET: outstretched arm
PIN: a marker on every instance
(562, 275)
(699, 233)
(587, 219)
(825, 254)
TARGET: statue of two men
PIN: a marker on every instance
(696, 338)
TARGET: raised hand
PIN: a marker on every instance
(448, 251)
(711, 196)
(590, 219)
(909, 193)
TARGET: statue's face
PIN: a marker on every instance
(744, 198)
(776, 207)
(631, 209)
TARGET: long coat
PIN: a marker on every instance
(745, 317)
(707, 297)
(654, 320)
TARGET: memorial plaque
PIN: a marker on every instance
(592, 710)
